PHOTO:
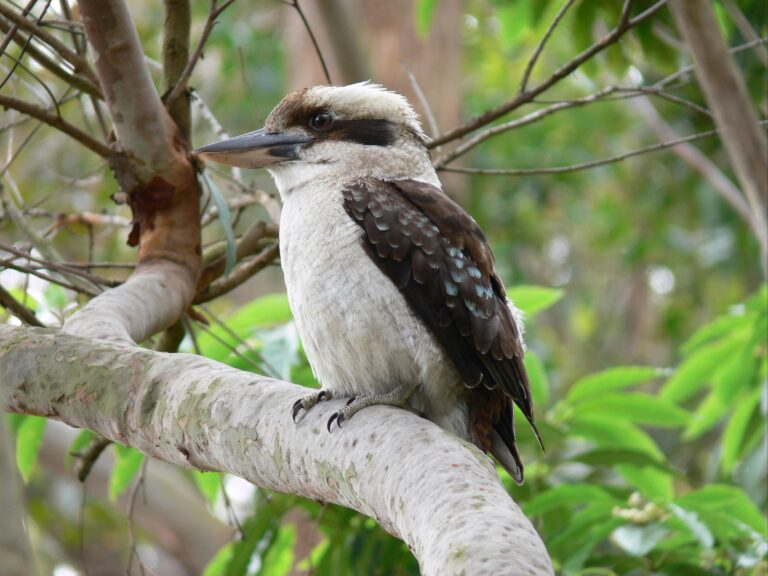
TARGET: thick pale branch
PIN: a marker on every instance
(152, 299)
(442, 496)
(153, 168)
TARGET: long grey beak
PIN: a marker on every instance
(254, 149)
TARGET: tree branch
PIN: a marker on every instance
(726, 93)
(156, 173)
(57, 122)
(583, 165)
(625, 24)
(439, 494)
(181, 84)
(540, 47)
(79, 64)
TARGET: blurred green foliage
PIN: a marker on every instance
(624, 271)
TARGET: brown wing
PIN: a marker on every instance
(436, 254)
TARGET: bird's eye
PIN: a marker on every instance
(321, 121)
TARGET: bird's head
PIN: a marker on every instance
(352, 131)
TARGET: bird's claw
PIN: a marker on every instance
(338, 417)
(351, 400)
(308, 402)
(297, 406)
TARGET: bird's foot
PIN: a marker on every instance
(398, 397)
(309, 401)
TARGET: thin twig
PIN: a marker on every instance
(584, 165)
(542, 42)
(59, 267)
(240, 274)
(295, 4)
(131, 507)
(18, 309)
(15, 27)
(746, 29)
(79, 64)
(265, 366)
(57, 122)
(181, 85)
(434, 129)
(519, 122)
(8, 263)
(612, 37)
(87, 458)
(667, 80)
(17, 61)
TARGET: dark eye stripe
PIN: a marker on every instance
(364, 131)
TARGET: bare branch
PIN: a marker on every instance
(612, 37)
(240, 274)
(297, 7)
(18, 309)
(518, 122)
(666, 81)
(178, 21)
(695, 158)
(540, 47)
(746, 29)
(726, 93)
(57, 122)
(181, 84)
(200, 414)
(584, 165)
(434, 129)
(79, 64)
(74, 80)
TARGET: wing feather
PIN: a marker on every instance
(438, 256)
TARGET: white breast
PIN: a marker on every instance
(358, 332)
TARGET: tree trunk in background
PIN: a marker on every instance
(345, 33)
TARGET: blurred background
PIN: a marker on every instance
(643, 287)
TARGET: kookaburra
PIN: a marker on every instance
(391, 283)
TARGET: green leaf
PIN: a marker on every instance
(728, 500)
(698, 368)
(514, 19)
(533, 299)
(29, 437)
(280, 349)
(567, 496)
(225, 218)
(611, 379)
(737, 429)
(650, 482)
(315, 556)
(538, 378)
(706, 416)
(694, 525)
(218, 564)
(55, 297)
(425, 12)
(611, 432)
(82, 440)
(611, 457)
(127, 464)
(278, 558)
(209, 484)
(639, 540)
(637, 407)
(718, 327)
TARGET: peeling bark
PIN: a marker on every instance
(439, 494)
